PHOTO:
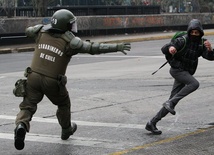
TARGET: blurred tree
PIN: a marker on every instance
(40, 7)
(185, 5)
(9, 7)
(210, 4)
(195, 6)
(206, 5)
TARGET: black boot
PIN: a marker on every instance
(169, 107)
(69, 131)
(151, 125)
(20, 132)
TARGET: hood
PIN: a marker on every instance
(195, 24)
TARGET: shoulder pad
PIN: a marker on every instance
(76, 43)
(68, 36)
(33, 30)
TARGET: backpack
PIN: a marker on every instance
(176, 35)
(180, 34)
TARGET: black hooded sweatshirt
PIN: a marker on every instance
(187, 59)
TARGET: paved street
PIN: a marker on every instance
(113, 96)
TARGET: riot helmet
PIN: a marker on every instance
(64, 20)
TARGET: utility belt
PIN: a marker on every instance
(59, 77)
(20, 85)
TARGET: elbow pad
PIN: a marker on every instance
(33, 30)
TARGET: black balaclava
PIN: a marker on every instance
(195, 24)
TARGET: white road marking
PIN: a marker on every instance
(81, 123)
(54, 139)
(73, 140)
(118, 56)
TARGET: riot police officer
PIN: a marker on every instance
(55, 45)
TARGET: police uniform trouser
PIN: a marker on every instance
(37, 86)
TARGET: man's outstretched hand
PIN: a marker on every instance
(124, 47)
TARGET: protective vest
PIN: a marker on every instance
(49, 56)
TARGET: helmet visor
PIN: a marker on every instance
(74, 27)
